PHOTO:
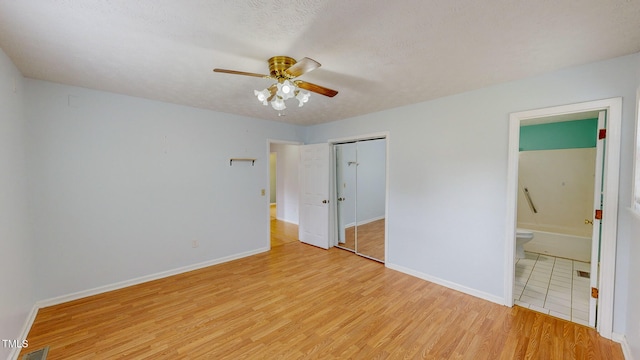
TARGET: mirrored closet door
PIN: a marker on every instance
(346, 194)
(361, 196)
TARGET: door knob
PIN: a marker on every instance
(341, 199)
(325, 201)
(587, 222)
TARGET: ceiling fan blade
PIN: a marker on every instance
(303, 66)
(241, 73)
(316, 88)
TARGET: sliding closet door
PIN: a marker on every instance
(346, 194)
(370, 198)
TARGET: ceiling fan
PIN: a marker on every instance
(284, 70)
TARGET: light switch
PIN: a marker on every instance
(263, 192)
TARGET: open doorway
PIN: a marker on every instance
(283, 192)
(608, 197)
(559, 192)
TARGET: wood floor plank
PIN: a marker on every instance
(282, 232)
(301, 302)
(370, 239)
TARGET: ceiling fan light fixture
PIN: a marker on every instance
(262, 96)
(303, 97)
(286, 90)
(284, 70)
(278, 103)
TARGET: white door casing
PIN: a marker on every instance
(606, 275)
(597, 223)
(314, 198)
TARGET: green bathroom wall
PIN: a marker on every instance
(576, 134)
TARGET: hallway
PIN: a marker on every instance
(282, 232)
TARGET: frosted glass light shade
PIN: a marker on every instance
(262, 95)
(286, 90)
(278, 103)
(303, 97)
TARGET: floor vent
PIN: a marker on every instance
(40, 354)
(584, 274)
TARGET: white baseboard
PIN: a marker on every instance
(119, 285)
(31, 317)
(363, 222)
(626, 348)
(448, 284)
(287, 221)
(143, 279)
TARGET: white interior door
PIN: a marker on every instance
(597, 223)
(313, 228)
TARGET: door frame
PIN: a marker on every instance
(596, 236)
(268, 177)
(606, 281)
(333, 232)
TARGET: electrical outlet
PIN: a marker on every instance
(194, 244)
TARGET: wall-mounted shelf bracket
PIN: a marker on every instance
(253, 161)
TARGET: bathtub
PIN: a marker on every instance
(560, 245)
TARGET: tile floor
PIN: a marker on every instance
(551, 285)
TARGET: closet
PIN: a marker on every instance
(360, 194)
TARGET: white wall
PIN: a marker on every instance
(287, 182)
(561, 186)
(122, 186)
(16, 266)
(632, 313)
(272, 177)
(448, 166)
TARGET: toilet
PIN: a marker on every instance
(522, 237)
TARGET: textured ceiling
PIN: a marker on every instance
(377, 54)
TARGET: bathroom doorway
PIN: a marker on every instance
(602, 277)
(559, 172)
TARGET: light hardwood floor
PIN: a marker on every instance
(300, 302)
(370, 239)
(282, 232)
